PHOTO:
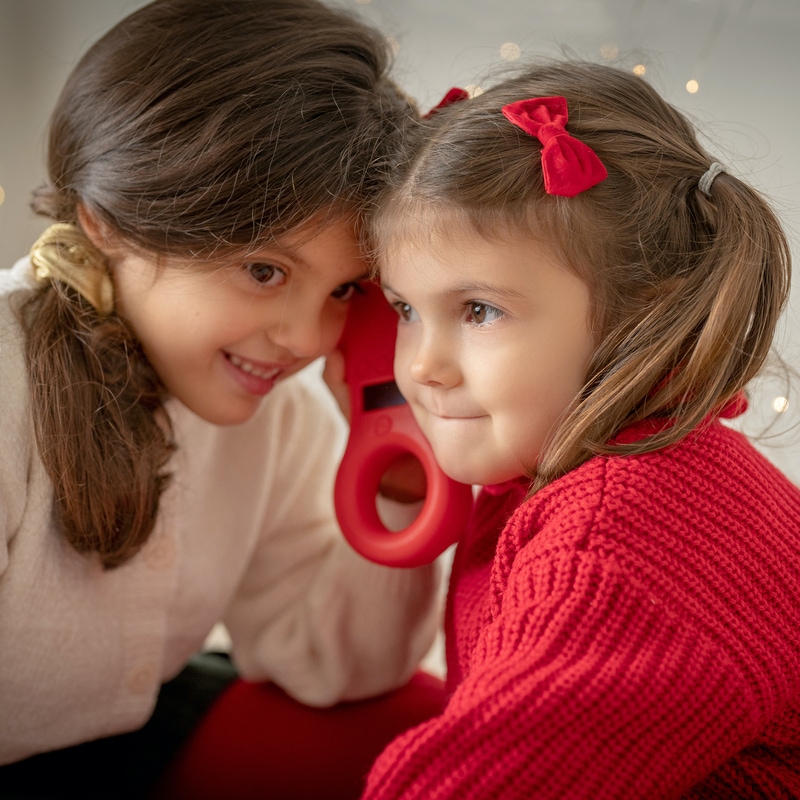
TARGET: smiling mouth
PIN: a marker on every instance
(456, 417)
(251, 368)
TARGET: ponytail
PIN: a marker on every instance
(101, 430)
(701, 334)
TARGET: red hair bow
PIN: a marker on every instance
(569, 166)
(453, 95)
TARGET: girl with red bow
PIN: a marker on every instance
(583, 297)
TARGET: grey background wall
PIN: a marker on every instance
(742, 54)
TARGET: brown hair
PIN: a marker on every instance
(687, 288)
(192, 127)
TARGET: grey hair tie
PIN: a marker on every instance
(707, 178)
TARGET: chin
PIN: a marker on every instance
(228, 416)
(482, 477)
(460, 473)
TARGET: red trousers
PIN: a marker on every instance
(256, 742)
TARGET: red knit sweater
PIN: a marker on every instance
(633, 632)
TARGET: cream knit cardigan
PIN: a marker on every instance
(245, 534)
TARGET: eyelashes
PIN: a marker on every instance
(346, 291)
(265, 274)
(270, 275)
(482, 313)
(474, 312)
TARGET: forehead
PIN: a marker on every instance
(329, 225)
(461, 261)
(417, 225)
(435, 227)
(411, 227)
(417, 234)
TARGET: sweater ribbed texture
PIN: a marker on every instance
(633, 631)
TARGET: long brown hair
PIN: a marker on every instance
(193, 127)
(687, 287)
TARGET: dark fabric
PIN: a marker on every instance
(124, 767)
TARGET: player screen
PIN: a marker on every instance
(382, 395)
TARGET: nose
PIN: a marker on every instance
(434, 362)
(305, 328)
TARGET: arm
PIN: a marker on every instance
(581, 686)
(309, 613)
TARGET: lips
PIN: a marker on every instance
(265, 372)
(448, 413)
(256, 377)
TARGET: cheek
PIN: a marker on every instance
(332, 322)
(402, 362)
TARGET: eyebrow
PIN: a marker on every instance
(480, 287)
(275, 247)
(474, 287)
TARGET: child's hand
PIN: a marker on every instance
(333, 375)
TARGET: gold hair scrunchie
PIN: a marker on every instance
(64, 253)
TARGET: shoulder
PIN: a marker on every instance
(714, 473)
(19, 276)
(13, 283)
(16, 438)
(13, 377)
(705, 522)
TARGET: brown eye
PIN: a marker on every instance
(346, 291)
(478, 312)
(266, 274)
(482, 313)
(404, 311)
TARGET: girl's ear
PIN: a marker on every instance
(97, 233)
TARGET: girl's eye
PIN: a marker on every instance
(404, 311)
(346, 291)
(482, 314)
(266, 274)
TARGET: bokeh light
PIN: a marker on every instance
(510, 51)
(780, 405)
